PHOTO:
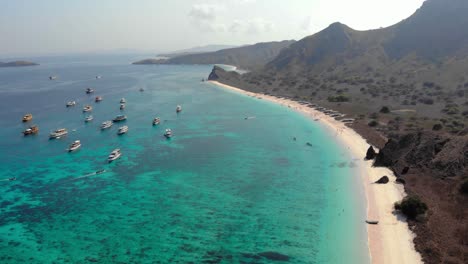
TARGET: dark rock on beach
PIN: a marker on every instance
(371, 154)
(383, 180)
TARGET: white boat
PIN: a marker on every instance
(58, 133)
(89, 119)
(74, 146)
(156, 121)
(122, 106)
(52, 78)
(168, 133)
(98, 99)
(179, 109)
(98, 77)
(142, 90)
(114, 155)
(122, 101)
(71, 103)
(87, 108)
(89, 90)
(120, 118)
(122, 130)
(106, 124)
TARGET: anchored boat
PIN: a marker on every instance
(58, 133)
(115, 154)
(74, 146)
(27, 117)
(31, 130)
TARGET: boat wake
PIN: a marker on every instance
(89, 175)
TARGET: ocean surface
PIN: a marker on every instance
(223, 190)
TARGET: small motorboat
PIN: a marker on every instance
(71, 103)
(74, 146)
(58, 133)
(123, 101)
(89, 90)
(156, 121)
(122, 130)
(31, 130)
(52, 78)
(122, 106)
(106, 124)
(27, 117)
(168, 133)
(87, 108)
(120, 118)
(98, 99)
(12, 179)
(98, 77)
(115, 154)
(142, 90)
(89, 118)
(179, 109)
(100, 171)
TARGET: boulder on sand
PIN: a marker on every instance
(371, 154)
(383, 180)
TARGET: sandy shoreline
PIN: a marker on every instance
(390, 241)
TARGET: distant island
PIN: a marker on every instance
(18, 64)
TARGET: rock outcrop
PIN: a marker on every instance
(371, 154)
(383, 180)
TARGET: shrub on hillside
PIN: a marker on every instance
(373, 123)
(385, 110)
(338, 98)
(428, 101)
(464, 187)
(437, 127)
(411, 207)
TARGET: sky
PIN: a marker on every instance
(42, 27)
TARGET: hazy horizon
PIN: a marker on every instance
(53, 27)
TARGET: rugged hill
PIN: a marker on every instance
(418, 69)
(17, 64)
(419, 66)
(247, 57)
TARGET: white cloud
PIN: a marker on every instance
(203, 12)
(309, 25)
(252, 26)
(204, 16)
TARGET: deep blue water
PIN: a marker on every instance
(222, 190)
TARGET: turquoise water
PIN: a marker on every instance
(222, 190)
